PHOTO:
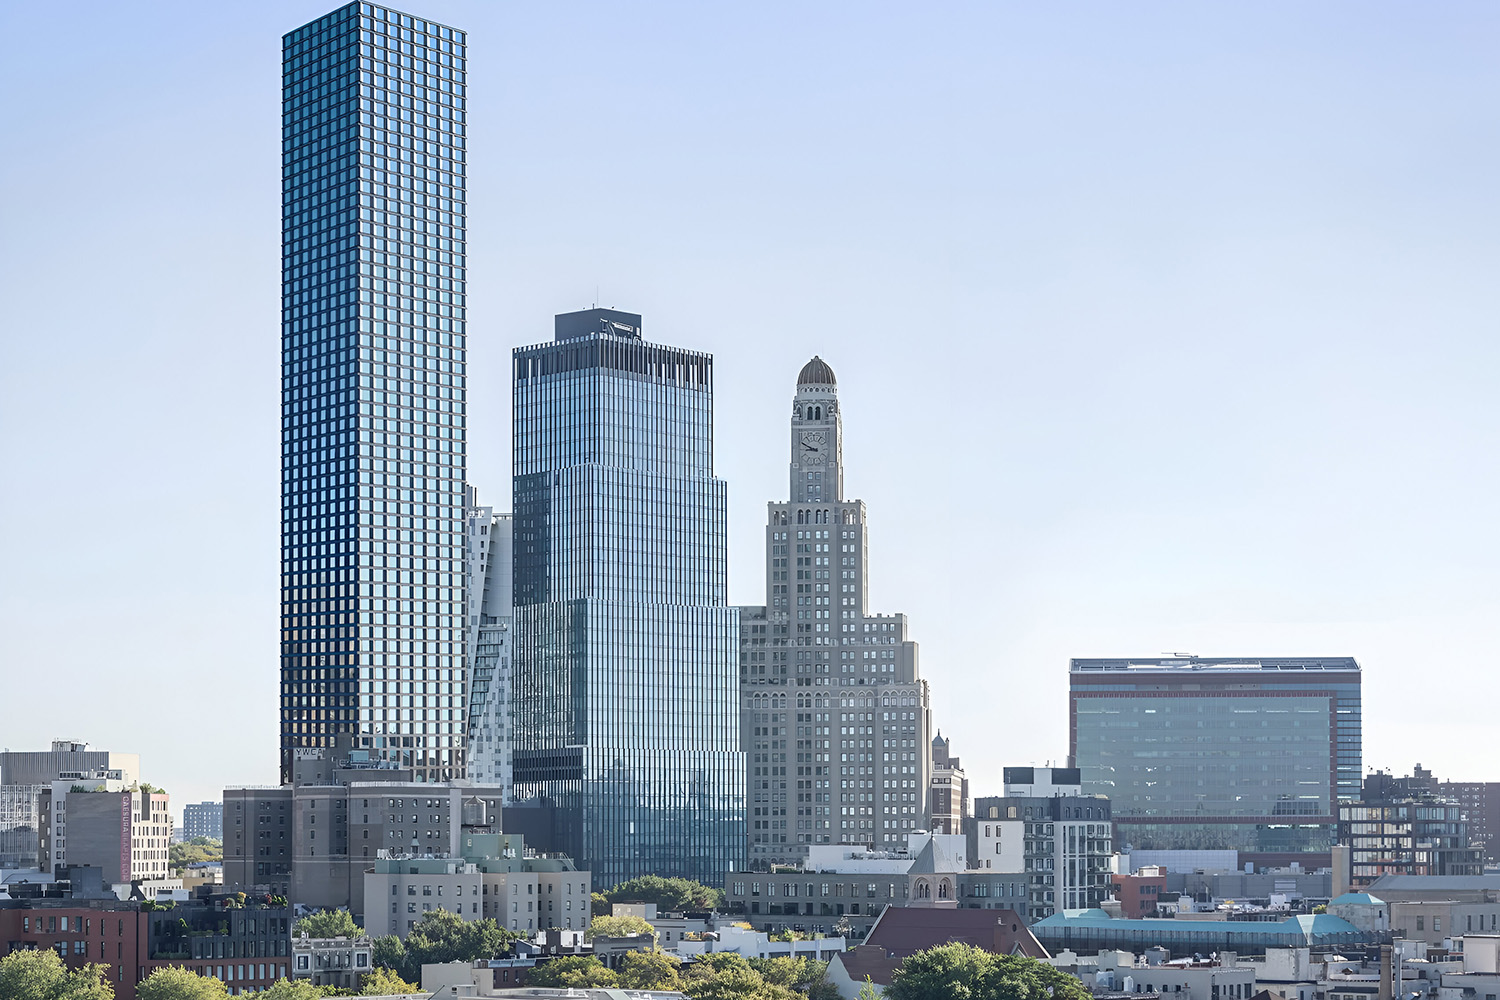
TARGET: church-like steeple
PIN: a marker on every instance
(817, 472)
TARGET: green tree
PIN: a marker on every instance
(41, 975)
(446, 937)
(735, 984)
(599, 904)
(389, 952)
(799, 974)
(199, 850)
(867, 991)
(668, 893)
(384, 982)
(649, 970)
(174, 983)
(619, 927)
(963, 971)
(285, 989)
(573, 972)
(328, 924)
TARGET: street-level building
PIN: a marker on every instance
(1045, 827)
(312, 841)
(834, 715)
(399, 890)
(514, 877)
(842, 888)
(495, 877)
(339, 961)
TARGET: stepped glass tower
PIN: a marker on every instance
(835, 718)
(372, 401)
(623, 673)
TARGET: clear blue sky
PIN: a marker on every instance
(1157, 326)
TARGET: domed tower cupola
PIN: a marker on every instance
(817, 453)
(816, 372)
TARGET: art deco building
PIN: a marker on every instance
(373, 381)
(835, 716)
(623, 669)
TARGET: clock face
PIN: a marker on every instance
(813, 440)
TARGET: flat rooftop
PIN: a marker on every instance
(1217, 664)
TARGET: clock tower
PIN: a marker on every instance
(817, 451)
(816, 662)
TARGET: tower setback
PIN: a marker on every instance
(835, 718)
(623, 668)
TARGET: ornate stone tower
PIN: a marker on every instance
(817, 437)
(834, 715)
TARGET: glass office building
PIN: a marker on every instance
(373, 389)
(625, 667)
(1251, 755)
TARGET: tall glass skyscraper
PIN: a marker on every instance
(625, 666)
(373, 389)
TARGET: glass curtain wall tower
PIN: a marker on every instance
(624, 671)
(373, 390)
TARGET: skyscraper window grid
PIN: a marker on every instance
(624, 668)
(373, 384)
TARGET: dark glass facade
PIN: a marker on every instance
(1249, 755)
(1407, 837)
(373, 389)
(625, 662)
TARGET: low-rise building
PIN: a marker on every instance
(842, 888)
(902, 932)
(1090, 931)
(495, 876)
(692, 935)
(408, 887)
(515, 878)
(1045, 827)
(1140, 893)
(338, 961)
(244, 945)
(1110, 971)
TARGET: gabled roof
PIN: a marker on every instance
(905, 930)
